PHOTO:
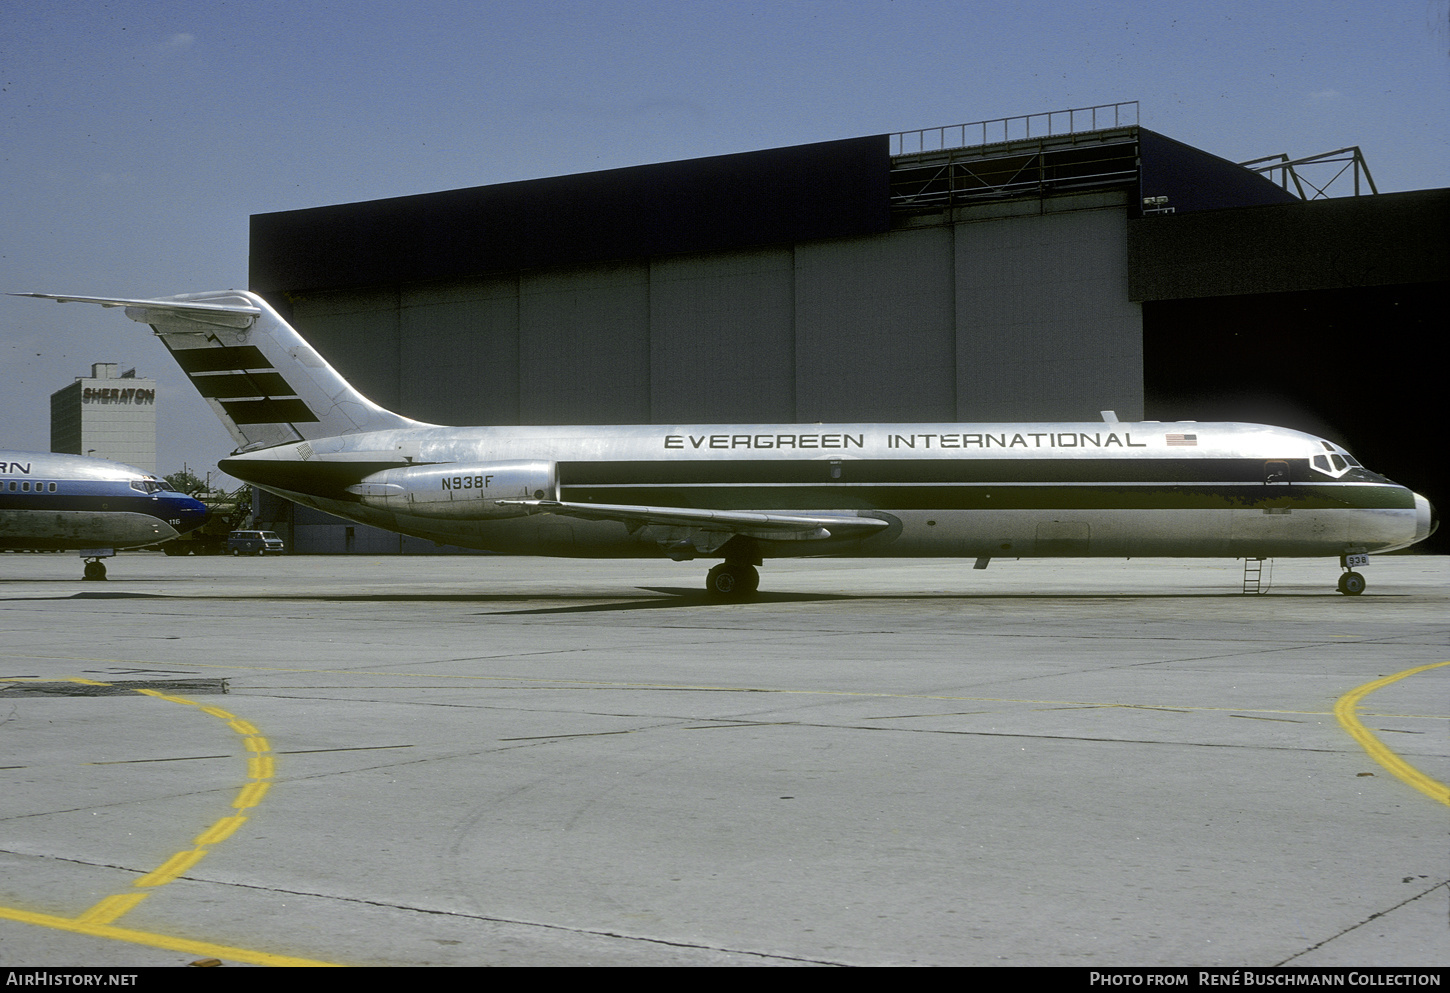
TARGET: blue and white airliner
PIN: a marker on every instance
(52, 502)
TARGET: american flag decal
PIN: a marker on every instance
(1182, 441)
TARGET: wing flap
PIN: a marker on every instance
(756, 524)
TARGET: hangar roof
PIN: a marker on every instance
(827, 190)
(810, 192)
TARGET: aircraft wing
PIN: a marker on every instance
(752, 523)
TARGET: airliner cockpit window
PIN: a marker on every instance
(1336, 463)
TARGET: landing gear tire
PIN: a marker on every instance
(732, 581)
(1351, 584)
(95, 570)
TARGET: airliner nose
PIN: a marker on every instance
(1426, 519)
(192, 514)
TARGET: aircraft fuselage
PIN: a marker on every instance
(51, 501)
(998, 490)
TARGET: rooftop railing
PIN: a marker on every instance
(1077, 120)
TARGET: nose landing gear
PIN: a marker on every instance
(1352, 583)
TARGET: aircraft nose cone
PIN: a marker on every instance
(192, 513)
(1427, 520)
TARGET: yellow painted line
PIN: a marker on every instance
(111, 908)
(207, 949)
(220, 831)
(169, 699)
(172, 867)
(251, 795)
(1344, 711)
(98, 919)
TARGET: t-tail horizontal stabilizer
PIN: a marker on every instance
(261, 378)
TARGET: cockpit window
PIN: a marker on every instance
(1336, 463)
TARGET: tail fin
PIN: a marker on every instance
(268, 386)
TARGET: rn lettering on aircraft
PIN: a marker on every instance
(21, 467)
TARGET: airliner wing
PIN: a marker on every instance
(756, 525)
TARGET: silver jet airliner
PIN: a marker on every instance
(52, 502)
(744, 493)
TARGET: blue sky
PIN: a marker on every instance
(137, 138)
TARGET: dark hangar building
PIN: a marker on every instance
(1035, 268)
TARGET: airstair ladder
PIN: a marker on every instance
(1255, 580)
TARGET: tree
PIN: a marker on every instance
(185, 481)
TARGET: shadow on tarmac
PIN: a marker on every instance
(670, 598)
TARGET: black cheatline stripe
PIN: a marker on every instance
(1047, 469)
(220, 359)
(1000, 497)
(243, 384)
(268, 411)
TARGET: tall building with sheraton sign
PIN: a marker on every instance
(107, 415)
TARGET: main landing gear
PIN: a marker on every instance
(736, 578)
(95, 569)
(732, 581)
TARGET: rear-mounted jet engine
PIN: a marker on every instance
(458, 490)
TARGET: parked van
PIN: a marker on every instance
(253, 542)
